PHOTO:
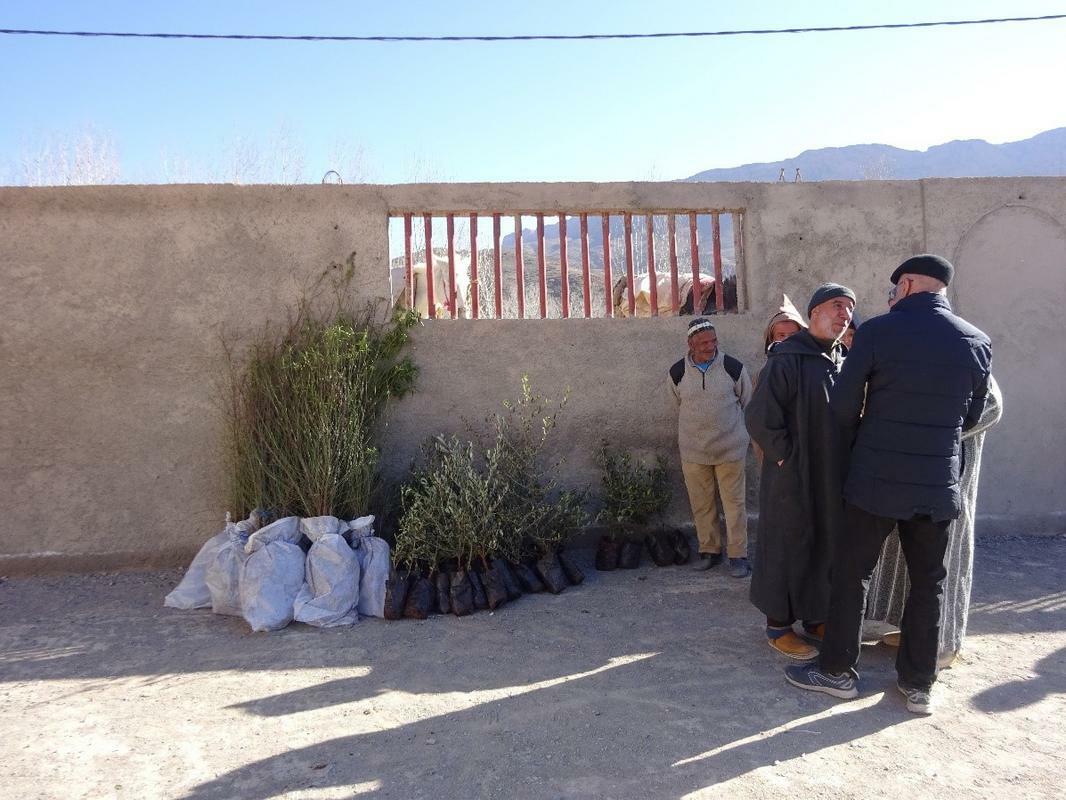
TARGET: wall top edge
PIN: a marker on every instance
(682, 186)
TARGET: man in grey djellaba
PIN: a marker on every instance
(889, 584)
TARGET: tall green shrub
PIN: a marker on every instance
(304, 410)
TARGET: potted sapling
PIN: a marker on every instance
(633, 492)
(559, 519)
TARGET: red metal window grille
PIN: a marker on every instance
(675, 261)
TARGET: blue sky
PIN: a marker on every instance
(523, 111)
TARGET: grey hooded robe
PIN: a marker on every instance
(800, 502)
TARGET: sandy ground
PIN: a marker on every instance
(655, 683)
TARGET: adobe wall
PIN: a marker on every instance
(116, 299)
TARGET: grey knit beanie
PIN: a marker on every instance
(827, 291)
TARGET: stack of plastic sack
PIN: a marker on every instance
(330, 593)
(272, 575)
(373, 554)
(262, 574)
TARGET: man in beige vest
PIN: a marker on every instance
(711, 390)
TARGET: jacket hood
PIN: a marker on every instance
(802, 344)
(787, 311)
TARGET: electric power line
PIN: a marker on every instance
(531, 37)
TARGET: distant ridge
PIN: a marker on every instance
(1043, 154)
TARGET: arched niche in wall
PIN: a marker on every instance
(1010, 281)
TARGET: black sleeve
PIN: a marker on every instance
(980, 390)
(848, 394)
(766, 416)
(977, 403)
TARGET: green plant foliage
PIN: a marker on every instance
(497, 498)
(536, 513)
(632, 491)
(450, 507)
(304, 409)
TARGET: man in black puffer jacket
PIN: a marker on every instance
(913, 381)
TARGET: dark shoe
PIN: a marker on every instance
(739, 568)
(707, 561)
(919, 701)
(813, 679)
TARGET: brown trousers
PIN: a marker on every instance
(701, 481)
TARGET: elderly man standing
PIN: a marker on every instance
(800, 510)
(711, 390)
(915, 379)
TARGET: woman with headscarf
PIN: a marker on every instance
(785, 322)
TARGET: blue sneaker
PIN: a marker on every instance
(739, 568)
(813, 679)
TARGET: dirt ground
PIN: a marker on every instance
(655, 683)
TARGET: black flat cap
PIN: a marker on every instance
(926, 264)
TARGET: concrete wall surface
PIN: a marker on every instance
(117, 299)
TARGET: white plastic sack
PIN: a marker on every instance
(224, 577)
(272, 575)
(192, 592)
(373, 555)
(316, 527)
(330, 591)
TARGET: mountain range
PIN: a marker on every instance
(1043, 154)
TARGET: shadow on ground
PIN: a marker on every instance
(654, 683)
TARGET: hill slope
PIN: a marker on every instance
(1043, 154)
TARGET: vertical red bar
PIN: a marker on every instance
(564, 268)
(473, 266)
(738, 249)
(608, 290)
(409, 261)
(450, 302)
(586, 283)
(671, 227)
(631, 300)
(542, 270)
(653, 278)
(430, 300)
(694, 244)
(519, 267)
(497, 264)
(716, 239)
